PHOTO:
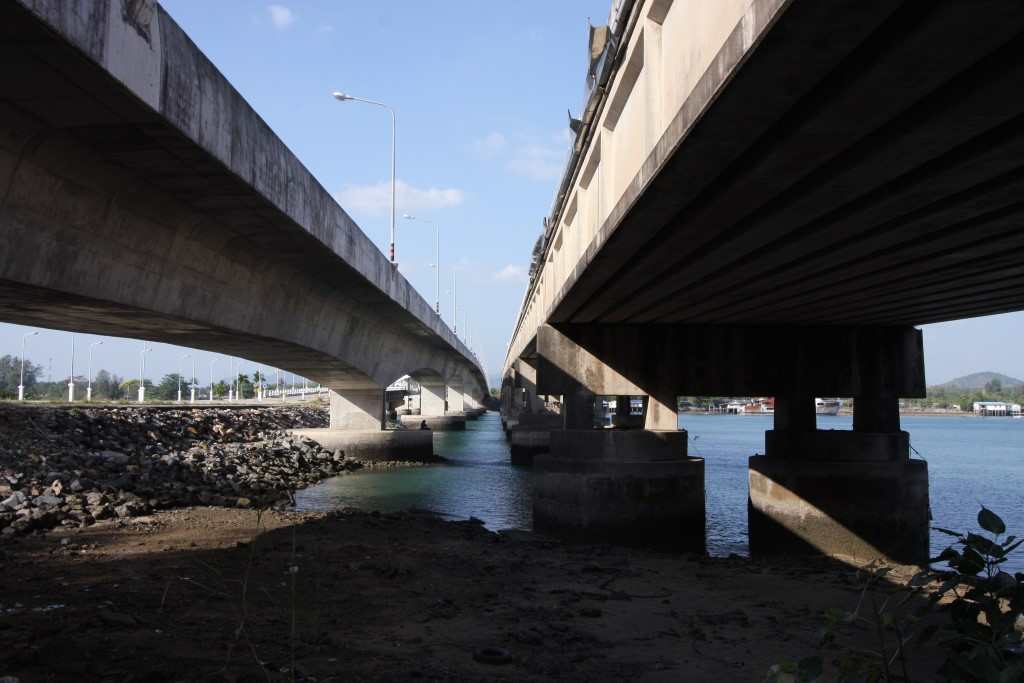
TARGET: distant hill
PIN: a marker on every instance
(978, 380)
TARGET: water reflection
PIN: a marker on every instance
(477, 481)
(971, 461)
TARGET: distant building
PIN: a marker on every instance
(996, 408)
(735, 408)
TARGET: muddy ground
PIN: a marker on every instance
(217, 594)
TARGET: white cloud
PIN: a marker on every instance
(538, 161)
(511, 273)
(375, 199)
(536, 157)
(491, 145)
(280, 16)
(325, 28)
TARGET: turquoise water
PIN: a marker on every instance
(971, 461)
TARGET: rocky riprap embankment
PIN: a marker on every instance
(72, 467)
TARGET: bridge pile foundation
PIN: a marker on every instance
(630, 485)
(854, 495)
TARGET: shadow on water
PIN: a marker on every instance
(476, 481)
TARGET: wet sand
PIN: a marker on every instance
(217, 594)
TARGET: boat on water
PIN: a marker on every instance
(827, 406)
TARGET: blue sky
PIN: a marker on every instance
(481, 92)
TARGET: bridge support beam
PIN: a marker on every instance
(625, 485)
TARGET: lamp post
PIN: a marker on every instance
(342, 97)
(142, 372)
(437, 260)
(181, 370)
(88, 388)
(212, 363)
(455, 308)
(71, 377)
(21, 381)
(192, 385)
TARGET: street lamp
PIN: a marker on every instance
(21, 381)
(71, 377)
(142, 372)
(342, 97)
(181, 370)
(437, 260)
(212, 362)
(88, 389)
(192, 385)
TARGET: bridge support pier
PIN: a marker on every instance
(853, 495)
(625, 485)
(434, 396)
(357, 429)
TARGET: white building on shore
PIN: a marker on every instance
(996, 408)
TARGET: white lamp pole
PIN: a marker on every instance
(142, 372)
(71, 377)
(21, 381)
(180, 371)
(192, 385)
(212, 363)
(342, 97)
(88, 388)
(436, 265)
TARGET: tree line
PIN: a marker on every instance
(108, 386)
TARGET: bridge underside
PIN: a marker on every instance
(864, 165)
(857, 170)
(141, 196)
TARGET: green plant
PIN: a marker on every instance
(986, 604)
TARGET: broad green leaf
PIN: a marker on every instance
(971, 563)
(947, 554)
(984, 545)
(990, 521)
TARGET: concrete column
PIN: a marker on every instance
(876, 414)
(456, 404)
(432, 398)
(578, 409)
(795, 414)
(357, 409)
(661, 413)
(635, 486)
(356, 429)
(853, 495)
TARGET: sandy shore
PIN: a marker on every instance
(217, 594)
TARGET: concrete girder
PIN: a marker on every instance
(147, 206)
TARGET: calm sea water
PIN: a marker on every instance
(971, 461)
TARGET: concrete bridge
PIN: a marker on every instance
(764, 198)
(141, 196)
